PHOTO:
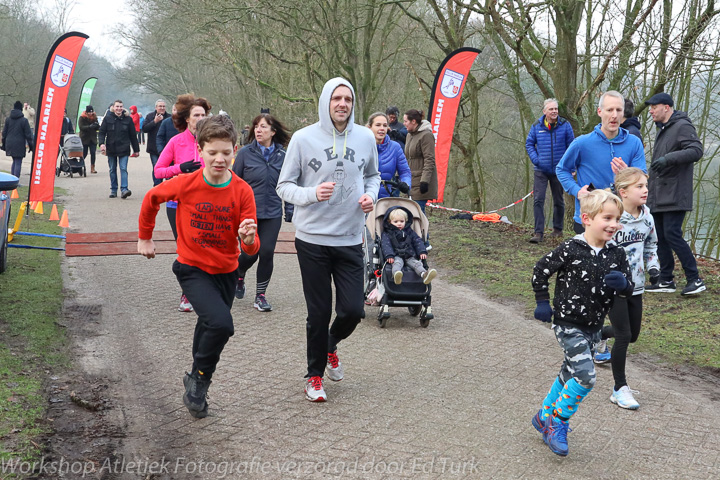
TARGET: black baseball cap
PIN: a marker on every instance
(661, 98)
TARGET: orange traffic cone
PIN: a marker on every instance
(14, 194)
(33, 205)
(39, 208)
(64, 220)
(54, 213)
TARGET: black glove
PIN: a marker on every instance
(393, 134)
(190, 166)
(403, 187)
(288, 217)
(95, 125)
(424, 187)
(616, 280)
(543, 311)
(654, 276)
(659, 165)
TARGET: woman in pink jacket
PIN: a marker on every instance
(181, 155)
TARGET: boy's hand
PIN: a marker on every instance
(423, 256)
(324, 191)
(543, 311)
(146, 248)
(366, 203)
(616, 280)
(391, 260)
(246, 231)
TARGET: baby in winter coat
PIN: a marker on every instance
(401, 245)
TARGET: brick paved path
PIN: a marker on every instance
(450, 401)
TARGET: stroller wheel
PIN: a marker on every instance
(425, 317)
(57, 171)
(84, 172)
(415, 310)
(70, 172)
(383, 322)
(424, 322)
(383, 316)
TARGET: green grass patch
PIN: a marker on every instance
(31, 342)
(499, 259)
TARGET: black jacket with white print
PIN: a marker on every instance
(581, 297)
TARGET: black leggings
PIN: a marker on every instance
(268, 230)
(172, 214)
(626, 319)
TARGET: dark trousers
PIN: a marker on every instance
(319, 265)
(268, 230)
(539, 189)
(670, 239)
(212, 297)
(16, 166)
(171, 216)
(578, 228)
(154, 159)
(625, 321)
(92, 148)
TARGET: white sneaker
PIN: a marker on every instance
(429, 275)
(623, 398)
(397, 277)
(314, 390)
(334, 368)
(185, 305)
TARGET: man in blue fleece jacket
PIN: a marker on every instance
(597, 156)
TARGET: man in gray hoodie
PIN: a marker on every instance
(331, 176)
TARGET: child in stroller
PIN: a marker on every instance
(401, 245)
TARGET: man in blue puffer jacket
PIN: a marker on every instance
(546, 143)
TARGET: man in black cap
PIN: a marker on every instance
(670, 197)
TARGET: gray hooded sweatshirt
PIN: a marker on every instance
(319, 153)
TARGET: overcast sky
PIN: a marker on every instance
(101, 20)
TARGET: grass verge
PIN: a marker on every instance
(498, 259)
(31, 342)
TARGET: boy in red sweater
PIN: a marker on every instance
(215, 207)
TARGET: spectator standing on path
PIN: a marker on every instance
(151, 126)
(677, 149)
(166, 131)
(591, 269)
(116, 136)
(396, 130)
(29, 113)
(136, 121)
(181, 156)
(67, 127)
(331, 176)
(259, 164)
(206, 265)
(546, 143)
(597, 156)
(631, 123)
(88, 126)
(141, 132)
(391, 159)
(420, 154)
(16, 134)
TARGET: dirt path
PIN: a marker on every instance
(450, 401)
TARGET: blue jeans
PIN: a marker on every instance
(670, 239)
(16, 166)
(541, 181)
(112, 164)
(154, 159)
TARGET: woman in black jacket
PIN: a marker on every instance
(88, 126)
(259, 164)
(15, 134)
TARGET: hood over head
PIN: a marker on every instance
(386, 218)
(18, 105)
(324, 105)
(632, 121)
(133, 109)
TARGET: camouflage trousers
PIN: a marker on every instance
(578, 348)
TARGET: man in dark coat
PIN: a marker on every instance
(546, 143)
(670, 197)
(396, 130)
(16, 133)
(151, 127)
(117, 134)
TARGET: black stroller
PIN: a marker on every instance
(71, 157)
(379, 284)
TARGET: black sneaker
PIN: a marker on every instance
(240, 288)
(196, 388)
(662, 287)
(694, 287)
(125, 194)
(113, 195)
(262, 304)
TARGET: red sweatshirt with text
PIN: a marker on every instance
(207, 220)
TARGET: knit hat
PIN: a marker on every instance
(89, 109)
(18, 105)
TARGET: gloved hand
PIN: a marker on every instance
(616, 280)
(136, 154)
(288, 217)
(543, 311)
(659, 165)
(404, 187)
(424, 187)
(190, 166)
(654, 276)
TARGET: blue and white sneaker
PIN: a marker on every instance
(602, 352)
(623, 398)
(555, 435)
(537, 422)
